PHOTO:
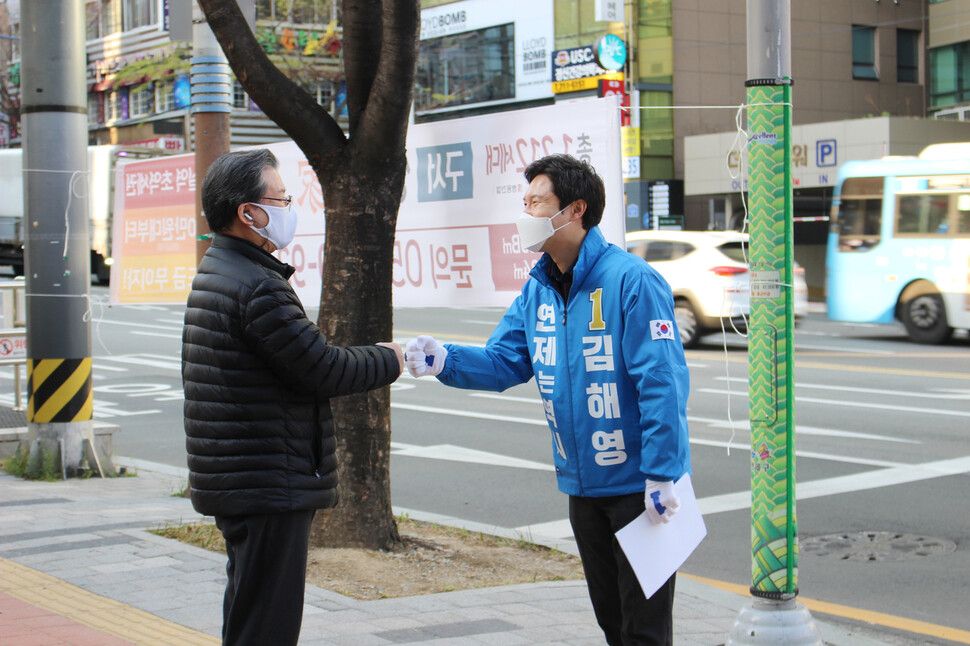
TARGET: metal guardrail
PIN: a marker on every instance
(13, 334)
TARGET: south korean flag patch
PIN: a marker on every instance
(660, 329)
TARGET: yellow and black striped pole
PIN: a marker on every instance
(59, 390)
(57, 250)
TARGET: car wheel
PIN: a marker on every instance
(924, 316)
(690, 330)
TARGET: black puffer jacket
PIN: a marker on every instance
(257, 376)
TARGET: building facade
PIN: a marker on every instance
(138, 76)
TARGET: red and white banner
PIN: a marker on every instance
(456, 240)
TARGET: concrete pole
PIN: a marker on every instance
(58, 253)
(211, 106)
(773, 616)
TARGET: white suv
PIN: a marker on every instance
(708, 273)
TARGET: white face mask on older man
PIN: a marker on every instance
(281, 226)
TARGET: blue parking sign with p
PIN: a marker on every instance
(825, 153)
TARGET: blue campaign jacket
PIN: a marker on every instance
(610, 370)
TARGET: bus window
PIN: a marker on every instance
(922, 214)
(859, 216)
(963, 214)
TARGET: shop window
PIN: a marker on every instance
(139, 13)
(117, 105)
(140, 102)
(94, 108)
(164, 96)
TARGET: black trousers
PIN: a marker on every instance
(263, 605)
(626, 616)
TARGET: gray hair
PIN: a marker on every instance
(234, 179)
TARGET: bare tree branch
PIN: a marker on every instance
(362, 48)
(280, 99)
(387, 106)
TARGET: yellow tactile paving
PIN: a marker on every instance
(100, 613)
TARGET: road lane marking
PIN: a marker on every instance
(875, 479)
(454, 453)
(146, 325)
(744, 425)
(465, 413)
(836, 402)
(856, 614)
(848, 459)
(509, 398)
(825, 348)
(737, 425)
(154, 360)
(408, 335)
(819, 365)
(952, 394)
(108, 368)
(164, 336)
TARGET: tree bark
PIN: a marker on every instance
(362, 177)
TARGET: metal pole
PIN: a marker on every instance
(773, 617)
(58, 253)
(211, 105)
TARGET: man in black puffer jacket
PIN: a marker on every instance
(258, 376)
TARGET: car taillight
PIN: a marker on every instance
(724, 270)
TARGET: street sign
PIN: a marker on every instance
(13, 345)
(609, 11)
(670, 223)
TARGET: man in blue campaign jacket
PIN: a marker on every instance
(595, 326)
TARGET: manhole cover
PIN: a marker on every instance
(875, 546)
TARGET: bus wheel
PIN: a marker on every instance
(690, 330)
(924, 315)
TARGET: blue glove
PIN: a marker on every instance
(423, 356)
(661, 501)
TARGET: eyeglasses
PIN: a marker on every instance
(285, 200)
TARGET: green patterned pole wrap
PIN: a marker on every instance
(774, 544)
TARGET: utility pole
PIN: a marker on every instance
(211, 106)
(58, 253)
(773, 617)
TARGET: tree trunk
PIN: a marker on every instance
(356, 309)
(362, 178)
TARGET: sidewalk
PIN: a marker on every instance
(78, 568)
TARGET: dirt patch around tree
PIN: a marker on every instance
(431, 558)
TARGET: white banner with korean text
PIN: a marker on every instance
(456, 242)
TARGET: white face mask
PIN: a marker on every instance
(281, 226)
(533, 232)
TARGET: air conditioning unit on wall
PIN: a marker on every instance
(953, 114)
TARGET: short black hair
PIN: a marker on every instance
(234, 179)
(572, 180)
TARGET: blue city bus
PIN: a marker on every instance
(899, 243)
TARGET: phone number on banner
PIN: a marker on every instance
(501, 157)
